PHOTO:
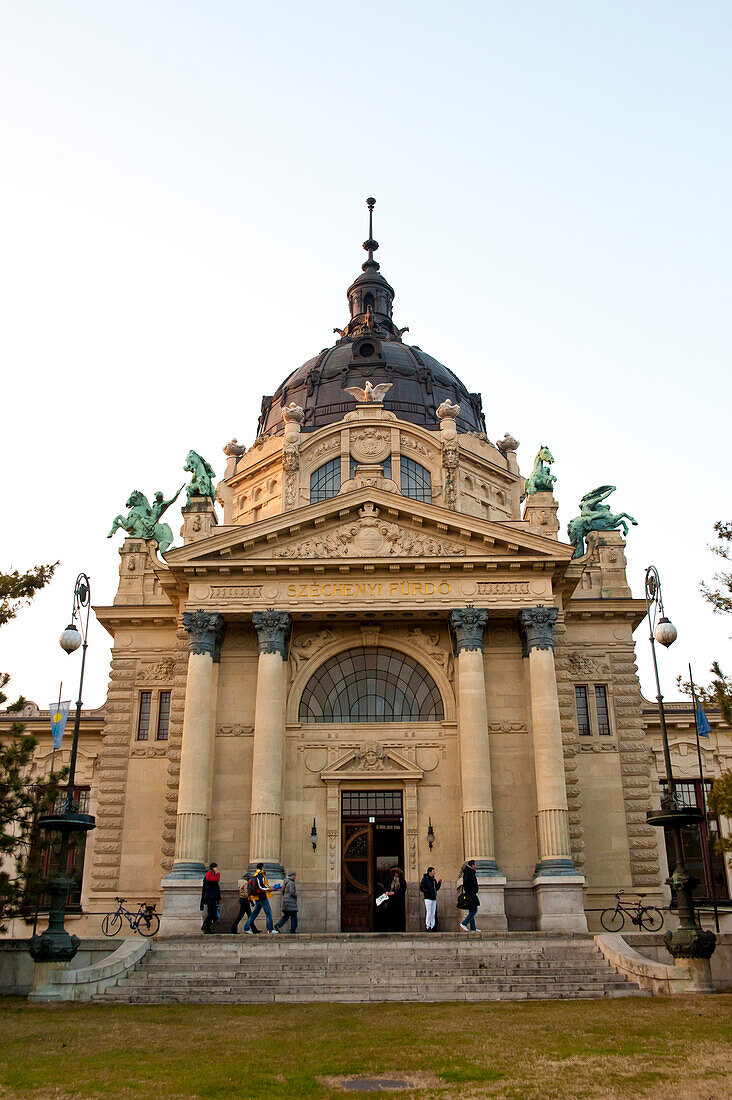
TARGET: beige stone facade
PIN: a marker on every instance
(468, 599)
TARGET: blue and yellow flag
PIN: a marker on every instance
(702, 722)
(59, 714)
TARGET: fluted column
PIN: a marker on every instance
(205, 632)
(475, 762)
(273, 628)
(555, 853)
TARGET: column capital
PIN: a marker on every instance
(205, 632)
(272, 629)
(468, 624)
(537, 627)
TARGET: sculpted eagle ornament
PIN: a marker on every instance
(369, 395)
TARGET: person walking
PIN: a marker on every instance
(469, 894)
(289, 904)
(210, 897)
(429, 887)
(260, 891)
(245, 905)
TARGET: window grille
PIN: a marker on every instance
(603, 715)
(163, 716)
(143, 722)
(373, 684)
(416, 481)
(583, 711)
(371, 804)
(325, 482)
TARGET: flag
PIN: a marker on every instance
(702, 722)
(59, 714)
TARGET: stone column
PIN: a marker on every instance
(181, 886)
(273, 628)
(557, 883)
(475, 763)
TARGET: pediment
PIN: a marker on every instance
(372, 760)
(369, 524)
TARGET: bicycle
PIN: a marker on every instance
(145, 921)
(646, 917)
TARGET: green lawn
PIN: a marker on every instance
(612, 1048)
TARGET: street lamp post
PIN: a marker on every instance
(689, 940)
(55, 944)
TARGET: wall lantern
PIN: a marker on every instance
(314, 836)
(430, 834)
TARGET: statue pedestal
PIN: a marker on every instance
(540, 512)
(199, 519)
(607, 548)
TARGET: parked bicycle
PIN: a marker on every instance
(145, 921)
(646, 917)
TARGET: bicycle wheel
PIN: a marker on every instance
(651, 918)
(148, 926)
(612, 920)
(111, 924)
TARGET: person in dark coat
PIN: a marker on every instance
(470, 889)
(396, 890)
(429, 887)
(210, 897)
(245, 905)
(289, 903)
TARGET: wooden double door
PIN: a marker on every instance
(370, 849)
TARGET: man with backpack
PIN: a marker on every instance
(245, 905)
(263, 890)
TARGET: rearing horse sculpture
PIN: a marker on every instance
(541, 479)
(595, 516)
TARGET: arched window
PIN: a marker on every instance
(325, 482)
(368, 300)
(371, 684)
(416, 481)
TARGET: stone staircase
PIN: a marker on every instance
(358, 967)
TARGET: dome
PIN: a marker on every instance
(371, 348)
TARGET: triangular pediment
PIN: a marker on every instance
(372, 760)
(369, 524)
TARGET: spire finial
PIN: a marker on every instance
(371, 245)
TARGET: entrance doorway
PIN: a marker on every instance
(372, 831)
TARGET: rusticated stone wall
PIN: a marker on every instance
(570, 743)
(113, 772)
(635, 766)
(175, 735)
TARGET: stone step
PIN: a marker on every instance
(340, 968)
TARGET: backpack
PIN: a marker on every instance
(253, 889)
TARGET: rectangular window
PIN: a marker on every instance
(583, 712)
(363, 804)
(143, 722)
(603, 715)
(163, 716)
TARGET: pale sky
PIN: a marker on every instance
(182, 202)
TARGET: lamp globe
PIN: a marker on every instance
(70, 639)
(665, 632)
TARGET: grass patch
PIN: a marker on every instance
(461, 1074)
(529, 1050)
